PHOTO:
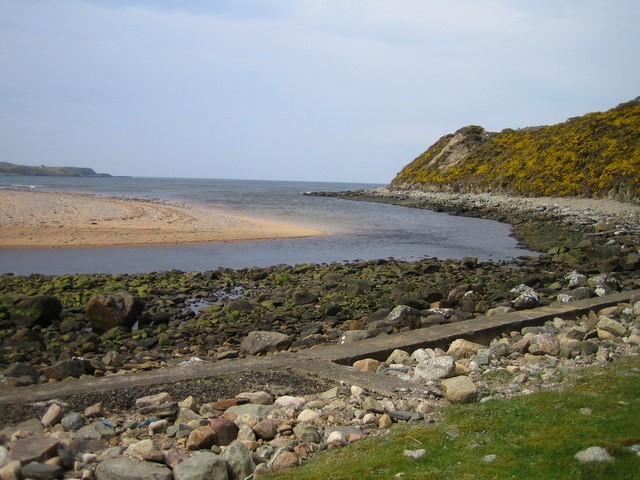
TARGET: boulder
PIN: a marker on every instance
(287, 401)
(11, 471)
(460, 389)
(262, 342)
(544, 344)
(113, 359)
(21, 370)
(307, 415)
(304, 297)
(307, 433)
(225, 429)
(612, 326)
(52, 416)
(141, 448)
(179, 430)
(36, 448)
(351, 336)
(260, 398)
(4, 456)
(240, 305)
(126, 468)
(367, 365)
(403, 316)
(285, 460)
(97, 431)
(524, 297)
(461, 348)
(256, 411)
(201, 466)
(370, 404)
(575, 279)
(36, 310)
(239, 460)
(400, 357)
(73, 367)
(42, 471)
(153, 400)
(201, 438)
(593, 454)
(435, 368)
(108, 311)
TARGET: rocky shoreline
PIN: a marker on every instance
(64, 327)
(193, 432)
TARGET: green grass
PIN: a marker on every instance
(534, 437)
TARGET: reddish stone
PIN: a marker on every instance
(228, 402)
(225, 429)
(202, 438)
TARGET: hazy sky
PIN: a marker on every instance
(331, 90)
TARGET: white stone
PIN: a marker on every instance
(307, 415)
(415, 453)
(336, 438)
(356, 391)
(593, 454)
(287, 401)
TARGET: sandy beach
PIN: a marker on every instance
(51, 219)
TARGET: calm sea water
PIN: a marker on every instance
(357, 230)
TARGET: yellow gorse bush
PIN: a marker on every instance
(597, 154)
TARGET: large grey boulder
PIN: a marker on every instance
(435, 368)
(21, 370)
(108, 311)
(239, 461)
(201, 466)
(524, 297)
(72, 367)
(126, 468)
(36, 448)
(307, 433)
(401, 317)
(262, 342)
(97, 431)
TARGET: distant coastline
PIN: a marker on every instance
(10, 169)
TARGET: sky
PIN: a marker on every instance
(325, 90)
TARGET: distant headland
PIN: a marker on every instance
(7, 168)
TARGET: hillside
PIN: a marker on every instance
(595, 155)
(12, 169)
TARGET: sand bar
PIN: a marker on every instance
(31, 219)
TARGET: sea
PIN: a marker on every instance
(356, 230)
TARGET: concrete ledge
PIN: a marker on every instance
(328, 361)
(479, 329)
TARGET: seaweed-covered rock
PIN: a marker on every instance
(36, 310)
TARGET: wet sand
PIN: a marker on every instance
(51, 219)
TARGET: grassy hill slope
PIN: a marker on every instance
(595, 155)
(7, 168)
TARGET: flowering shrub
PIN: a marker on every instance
(597, 154)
